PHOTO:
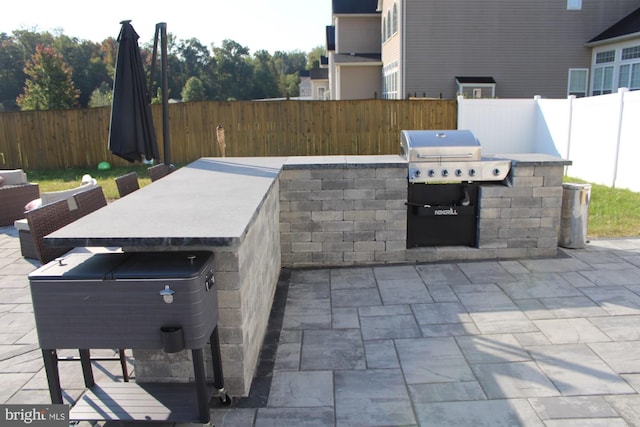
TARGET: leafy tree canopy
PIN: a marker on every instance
(225, 72)
(193, 90)
(49, 85)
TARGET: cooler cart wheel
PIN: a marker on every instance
(225, 399)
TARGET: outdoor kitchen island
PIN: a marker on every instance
(260, 214)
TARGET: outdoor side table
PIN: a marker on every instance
(139, 300)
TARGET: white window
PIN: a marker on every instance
(320, 93)
(389, 33)
(574, 4)
(395, 18)
(384, 29)
(605, 57)
(602, 80)
(631, 53)
(390, 81)
(578, 78)
(629, 75)
(603, 72)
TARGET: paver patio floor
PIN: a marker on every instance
(533, 342)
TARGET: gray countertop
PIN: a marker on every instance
(209, 202)
(534, 159)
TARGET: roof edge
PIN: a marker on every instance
(618, 39)
(357, 15)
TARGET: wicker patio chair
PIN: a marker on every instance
(88, 201)
(27, 247)
(45, 220)
(13, 198)
(158, 171)
(127, 183)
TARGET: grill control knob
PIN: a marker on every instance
(472, 172)
(445, 172)
(431, 173)
(417, 174)
(496, 172)
(458, 172)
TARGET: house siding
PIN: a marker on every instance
(360, 82)
(391, 49)
(527, 46)
(358, 34)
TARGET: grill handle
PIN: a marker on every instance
(420, 205)
(444, 156)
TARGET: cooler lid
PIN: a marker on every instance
(79, 266)
(162, 265)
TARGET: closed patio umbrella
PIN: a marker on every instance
(131, 131)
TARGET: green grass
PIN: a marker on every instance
(63, 179)
(613, 212)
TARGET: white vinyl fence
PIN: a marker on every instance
(599, 134)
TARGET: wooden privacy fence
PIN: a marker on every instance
(79, 138)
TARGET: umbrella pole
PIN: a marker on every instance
(165, 95)
(164, 85)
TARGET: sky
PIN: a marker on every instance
(272, 25)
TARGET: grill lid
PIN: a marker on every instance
(444, 156)
(439, 145)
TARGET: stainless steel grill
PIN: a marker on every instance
(445, 169)
(444, 156)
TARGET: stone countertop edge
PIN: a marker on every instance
(344, 161)
(189, 243)
(534, 159)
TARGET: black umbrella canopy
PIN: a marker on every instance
(131, 132)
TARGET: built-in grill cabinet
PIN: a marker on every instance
(442, 214)
(444, 169)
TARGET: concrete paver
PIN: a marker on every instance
(532, 342)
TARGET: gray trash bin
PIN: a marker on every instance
(575, 215)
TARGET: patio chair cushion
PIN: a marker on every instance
(13, 177)
(21, 224)
(53, 196)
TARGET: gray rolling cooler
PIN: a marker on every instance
(139, 300)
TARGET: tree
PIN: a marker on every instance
(194, 57)
(11, 71)
(84, 59)
(225, 73)
(193, 90)
(101, 96)
(265, 80)
(288, 66)
(49, 83)
(233, 70)
(313, 58)
(290, 84)
(29, 41)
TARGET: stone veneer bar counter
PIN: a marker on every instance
(260, 214)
